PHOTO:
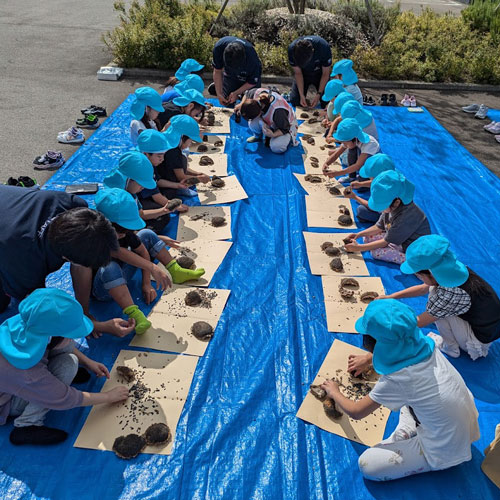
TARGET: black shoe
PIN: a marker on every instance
(4, 302)
(94, 110)
(392, 100)
(267, 142)
(12, 182)
(237, 117)
(37, 434)
(211, 89)
(26, 181)
(82, 376)
(383, 100)
(370, 101)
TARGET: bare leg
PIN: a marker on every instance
(121, 296)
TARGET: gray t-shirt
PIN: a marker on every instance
(36, 385)
(404, 225)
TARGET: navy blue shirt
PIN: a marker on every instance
(321, 58)
(250, 72)
(25, 254)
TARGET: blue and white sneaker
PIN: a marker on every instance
(73, 135)
(51, 160)
(346, 179)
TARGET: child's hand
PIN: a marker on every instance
(326, 167)
(160, 277)
(352, 236)
(352, 247)
(170, 242)
(120, 327)
(204, 178)
(117, 394)
(149, 293)
(267, 131)
(330, 387)
(97, 368)
(182, 208)
(232, 97)
(359, 363)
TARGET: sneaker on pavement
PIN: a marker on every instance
(94, 110)
(486, 127)
(497, 138)
(51, 160)
(413, 102)
(471, 108)
(482, 112)
(494, 128)
(37, 434)
(406, 101)
(88, 121)
(71, 136)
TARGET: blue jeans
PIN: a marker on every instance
(366, 214)
(117, 273)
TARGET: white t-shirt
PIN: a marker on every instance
(371, 130)
(441, 402)
(355, 91)
(136, 127)
(370, 148)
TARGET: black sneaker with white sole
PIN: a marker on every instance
(51, 160)
(94, 110)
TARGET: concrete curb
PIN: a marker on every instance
(287, 80)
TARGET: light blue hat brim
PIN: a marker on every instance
(184, 101)
(349, 77)
(115, 179)
(404, 192)
(173, 138)
(131, 221)
(369, 171)
(342, 137)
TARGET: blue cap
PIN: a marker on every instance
(172, 137)
(151, 141)
(132, 165)
(145, 96)
(352, 109)
(120, 207)
(190, 95)
(399, 341)
(388, 186)
(187, 67)
(344, 68)
(376, 164)
(190, 82)
(340, 100)
(332, 89)
(185, 125)
(432, 253)
(349, 130)
(44, 313)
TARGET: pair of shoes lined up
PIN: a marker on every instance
(388, 100)
(409, 101)
(478, 110)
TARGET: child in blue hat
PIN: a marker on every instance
(189, 102)
(401, 221)
(145, 108)
(137, 251)
(343, 71)
(174, 173)
(438, 417)
(175, 87)
(333, 111)
(359, 146)
(373, 166)
(464, 307)
(38, 363)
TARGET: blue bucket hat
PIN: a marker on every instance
(151, 141)
(190, 95)
(376, 164)
(185, 125)
(145, 96)
(341, 100)
(120, 207)
(432, 252)
(173, 138)
(44, 313)
(332, 89)
(344, 68)
(187, 67)
(352, 109)
(388, 186)
(400, 343)
(190, 82)
(132, 165)
(349, 130)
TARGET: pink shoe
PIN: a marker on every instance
(406, 101)
(413, 102)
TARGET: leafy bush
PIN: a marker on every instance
(431, 48)
(161, 34)
(484, 15)
(355, 10)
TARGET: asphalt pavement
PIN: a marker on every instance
(50, 51)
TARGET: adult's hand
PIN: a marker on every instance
(303, 101)
(160, 277)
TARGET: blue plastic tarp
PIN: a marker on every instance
(238, 436)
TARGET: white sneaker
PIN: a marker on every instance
(494, 128)
(406, 101)
(451, 351)
(73, 135)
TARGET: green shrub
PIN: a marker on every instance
(484, 15)
(431, 48)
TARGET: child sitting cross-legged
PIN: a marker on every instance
(37, 367)
(136, 251)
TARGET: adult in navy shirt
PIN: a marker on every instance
(237, 68)
(311, 60)
(41, 231)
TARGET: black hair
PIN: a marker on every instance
(83, 236)
(119, 229)
(147, 122)
(475, 285)
(303, 52)
(250, 109)
(234, 55)
(171, 82)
